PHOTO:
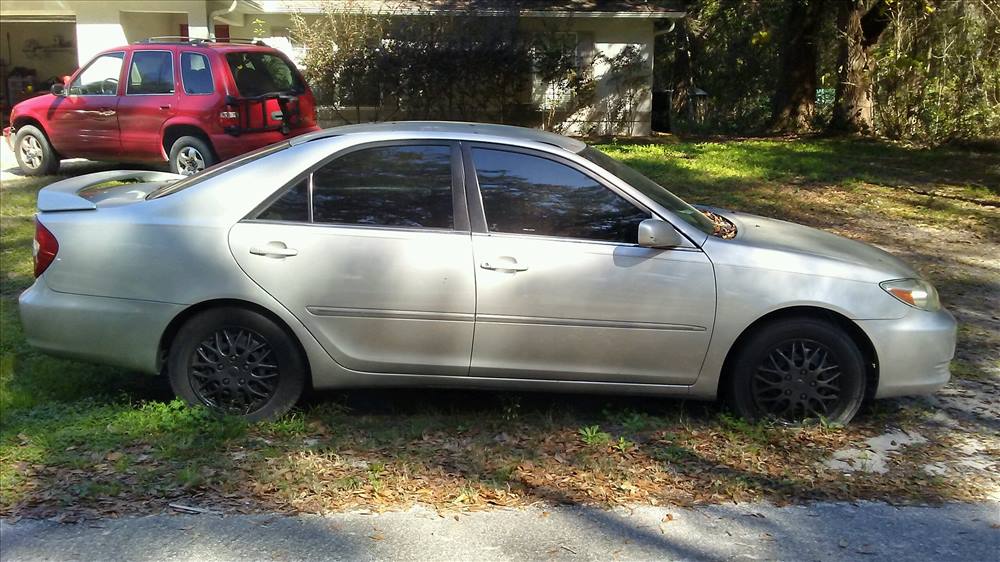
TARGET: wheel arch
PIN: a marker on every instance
(170, 332)
(853, 331)
(174, 131)
(28, 119)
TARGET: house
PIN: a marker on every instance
(41, 40)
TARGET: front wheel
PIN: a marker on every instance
(236, 361)
(190, 155)
(798, 370)
(35, 156)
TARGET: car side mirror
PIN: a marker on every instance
(654, 233)
(58, 90)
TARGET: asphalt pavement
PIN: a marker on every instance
(825, 531)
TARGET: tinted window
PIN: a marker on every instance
(100, 78)
(390, 186)
(151, 72)
(525, 194)
(292, 206)
(257, 74)
(196, 74)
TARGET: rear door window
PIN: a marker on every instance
(258, 73)
(151, 72)
(196, 74)
(399, 186)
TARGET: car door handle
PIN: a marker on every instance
(165, 106)
(503, 264)
(274, 250)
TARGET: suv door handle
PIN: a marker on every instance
(274, 250)
(503, 264)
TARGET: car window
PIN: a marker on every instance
(292, 206)
(100, 78)
(257, 74)
(196, 74)
(151, 72)
(388, 186)
(524, 194)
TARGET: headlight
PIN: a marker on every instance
(914, 292)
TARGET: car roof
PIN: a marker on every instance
(162, 43)
(460, 129)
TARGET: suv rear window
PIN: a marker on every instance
(257, 74)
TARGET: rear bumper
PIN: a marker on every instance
(914, 352)
(227, 146)
(8, 134)
(120, 332)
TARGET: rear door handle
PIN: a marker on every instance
(165, 106)
(503, 264)
(274, 250)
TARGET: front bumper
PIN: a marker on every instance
(121, 332)
(227, 146)
(914, 352)
(8, 135)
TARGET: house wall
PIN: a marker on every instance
(106, 24)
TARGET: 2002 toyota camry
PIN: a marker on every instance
(464, 255)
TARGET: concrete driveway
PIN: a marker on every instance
(826, 531)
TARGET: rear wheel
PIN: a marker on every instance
(798, 370)
(238, 362)
(35, 156)
(190, 155)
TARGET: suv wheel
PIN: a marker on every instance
(236, 361)
(797, 370)
(33, 152)
(190, 155)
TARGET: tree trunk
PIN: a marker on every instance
(794, 101)
(683, 72)
(859, 32)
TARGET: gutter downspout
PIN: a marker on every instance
(216, 13)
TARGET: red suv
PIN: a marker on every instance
(188, 102)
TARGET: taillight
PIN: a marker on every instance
(229, 118)
(44, 249)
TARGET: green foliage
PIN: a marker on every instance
(592, 436)
(936, 72)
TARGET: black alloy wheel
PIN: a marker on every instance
(797, 370)
(238, 362)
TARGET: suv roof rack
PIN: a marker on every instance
(197, 40)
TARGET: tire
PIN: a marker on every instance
(825, 378)
(35, 156)
(257, 385)
(190, 155)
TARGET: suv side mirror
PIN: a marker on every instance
(654, 233)
(58, 90)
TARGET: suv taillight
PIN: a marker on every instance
(44, 249)
(229, 117)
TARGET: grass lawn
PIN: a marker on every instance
(83, 439)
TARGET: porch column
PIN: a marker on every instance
(98, 27)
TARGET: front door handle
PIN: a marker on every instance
(165, 106)
(503, 264)
(274, 250)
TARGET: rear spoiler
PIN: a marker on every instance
(65, 195)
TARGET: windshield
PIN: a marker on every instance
(651, 189)
(257, 74)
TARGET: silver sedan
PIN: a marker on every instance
(466, 255)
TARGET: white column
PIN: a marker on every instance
(198, 24)
(98, 27)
